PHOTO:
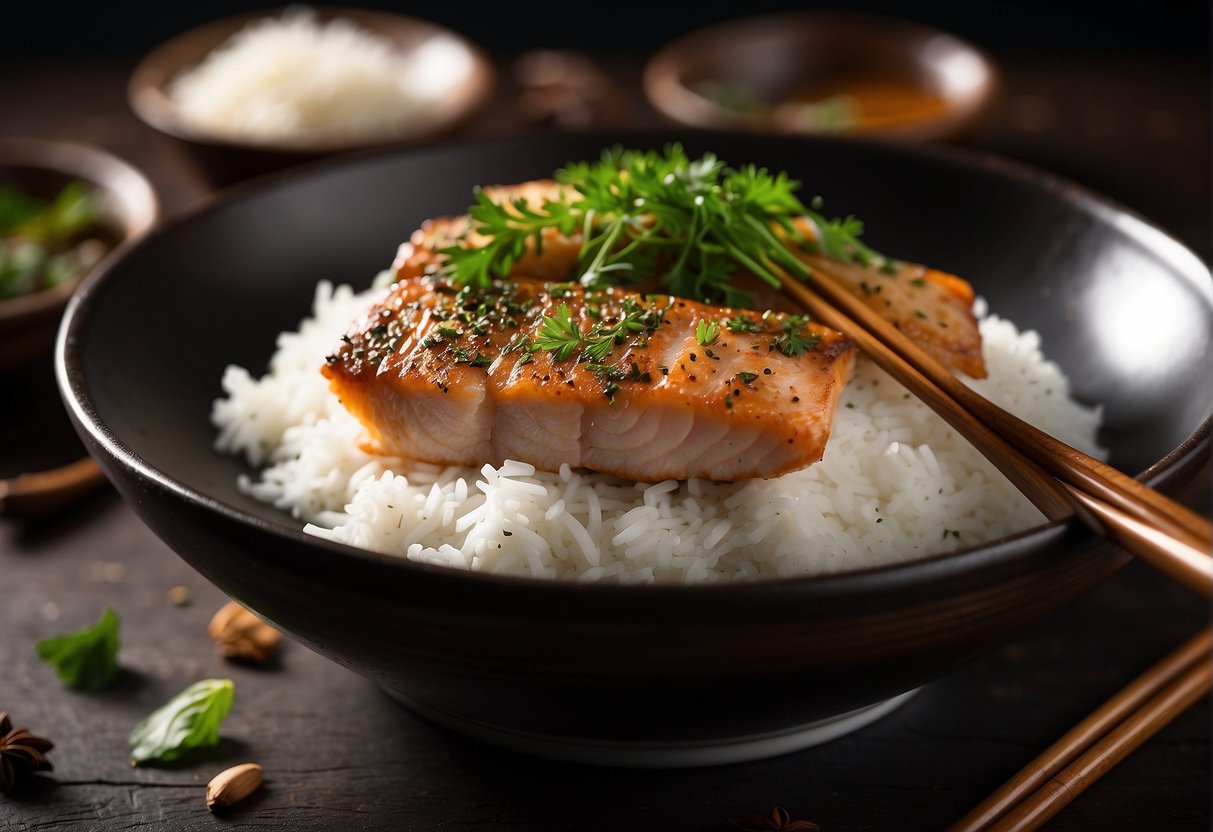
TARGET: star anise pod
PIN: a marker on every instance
(778, 821)
(21, 754)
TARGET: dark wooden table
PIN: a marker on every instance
(340, 755)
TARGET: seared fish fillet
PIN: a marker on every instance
(932, 307)
(643, 387)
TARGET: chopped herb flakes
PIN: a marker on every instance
(741, 323)
(795, 341)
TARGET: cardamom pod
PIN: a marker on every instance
(233, 785)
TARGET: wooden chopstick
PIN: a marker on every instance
(1069, 765)
(1160, 531)
(44, 492)
(1148, 524)
(1068, 464)
(1173, 700)
(1044, 491)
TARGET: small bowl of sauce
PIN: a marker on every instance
(824, 72)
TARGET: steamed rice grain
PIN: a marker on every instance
(297, 78)
(895, 483)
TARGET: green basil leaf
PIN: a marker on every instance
(86, 659)
(189, 720)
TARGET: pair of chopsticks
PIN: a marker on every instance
(1066, 768)
(1061, 481)
(1058, 479)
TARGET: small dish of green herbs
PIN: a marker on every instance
(48, 243)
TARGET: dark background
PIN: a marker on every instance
(130, 27)
(1113, 95)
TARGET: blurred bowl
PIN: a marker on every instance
(224, 159)
(42, 169)
(816, 72)
(42, 468)
(641, 675)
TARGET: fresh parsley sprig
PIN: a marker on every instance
(562, 335)
(508, 226)
(839, 239)
(559, 334)
(796, 340)
(640, 213)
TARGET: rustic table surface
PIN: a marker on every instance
(339, 754)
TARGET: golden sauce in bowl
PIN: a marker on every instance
(858, 104)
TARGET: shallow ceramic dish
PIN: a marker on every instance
(225, 160)
(42, 168)
(656, 675)
(746, 74)
(42, 469)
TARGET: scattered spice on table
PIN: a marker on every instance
(241, 635)
(21, 755)
(230, 786)
(778, 821)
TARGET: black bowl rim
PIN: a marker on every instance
(153, 106)
(919, 573)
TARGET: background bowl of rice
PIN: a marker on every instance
(257, 92)
(606, 670)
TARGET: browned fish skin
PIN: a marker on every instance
(457, 378)
(932, 307)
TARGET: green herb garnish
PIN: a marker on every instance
(40, 243)
(697, 221)
(559, 334)
(706, 332)
(189, 720)
(741, 323)
(795, 341)
(86, 659)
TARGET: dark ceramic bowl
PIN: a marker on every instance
(41, 169)
(224, 159)
(739, 75)
(631, 674)
(41, 468)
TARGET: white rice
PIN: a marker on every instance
(294, 78)
(896, 483)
